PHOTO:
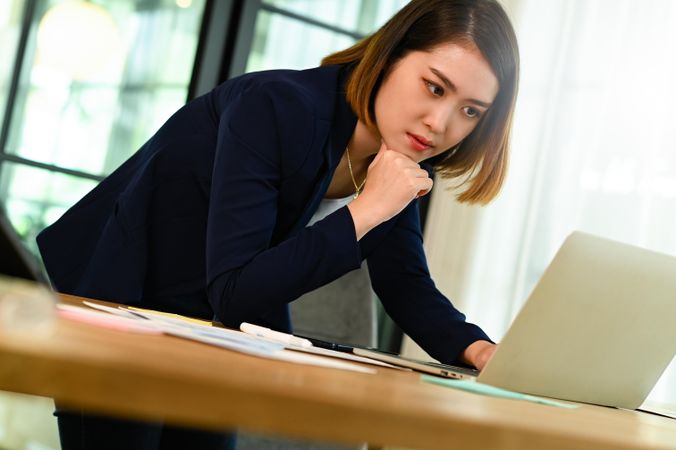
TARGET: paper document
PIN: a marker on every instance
(304, 358)
(484, 389)
(203, 331)
(104, 320)
(168, 315)
(298, 344)
(277, 336)
(346, 356)
(122, 312)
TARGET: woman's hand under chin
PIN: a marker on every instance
(478, 353)
(392, 182)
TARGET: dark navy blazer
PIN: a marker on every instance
(209, 217)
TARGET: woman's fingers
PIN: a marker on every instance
(420, 173)
(381, 150)
(426, 190)
(392, 182)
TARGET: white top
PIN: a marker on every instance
(327, 206)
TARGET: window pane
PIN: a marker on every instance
(284, 42)
(278, 39)
(88, 104)
(37, 197)
(361, 16)
(10, 27)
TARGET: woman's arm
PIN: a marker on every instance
(249, 275)
(401, 279)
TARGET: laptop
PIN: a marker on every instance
(599, 327)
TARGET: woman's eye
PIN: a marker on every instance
(434, 89)
(471, 112)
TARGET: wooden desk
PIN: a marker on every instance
(189, 383)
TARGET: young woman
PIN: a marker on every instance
(276, 183)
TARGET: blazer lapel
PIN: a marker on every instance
(341, 129)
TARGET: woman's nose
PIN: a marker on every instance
(438, 119)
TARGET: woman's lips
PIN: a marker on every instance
(418, 143)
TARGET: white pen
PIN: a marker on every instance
(276, 336)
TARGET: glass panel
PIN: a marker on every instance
(361, 16)
(37, 197)
(88, 104)
(284, 42)
(269, 51)
(10, 27)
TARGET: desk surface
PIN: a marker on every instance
(151, 376)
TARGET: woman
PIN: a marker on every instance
(276, 183)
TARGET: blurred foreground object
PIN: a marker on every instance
(26, 308)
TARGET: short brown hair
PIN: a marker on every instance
(481, 158)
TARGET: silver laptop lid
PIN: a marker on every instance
(599, 327)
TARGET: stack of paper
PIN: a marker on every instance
(146, 321)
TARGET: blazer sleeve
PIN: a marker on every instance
(401, 279)
(262, 138)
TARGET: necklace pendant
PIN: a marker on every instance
(357, 187)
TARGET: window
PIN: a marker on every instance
(297, 34)
(93, 80)
(10, 29)
(592, 150)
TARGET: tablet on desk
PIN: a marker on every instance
(430, 367)
(434, 368)
(327, 345)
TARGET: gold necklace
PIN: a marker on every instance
(357, 188)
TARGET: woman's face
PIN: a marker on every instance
(431, 100)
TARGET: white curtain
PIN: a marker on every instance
(594, 149)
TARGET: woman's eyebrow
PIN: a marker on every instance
(449, 84)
